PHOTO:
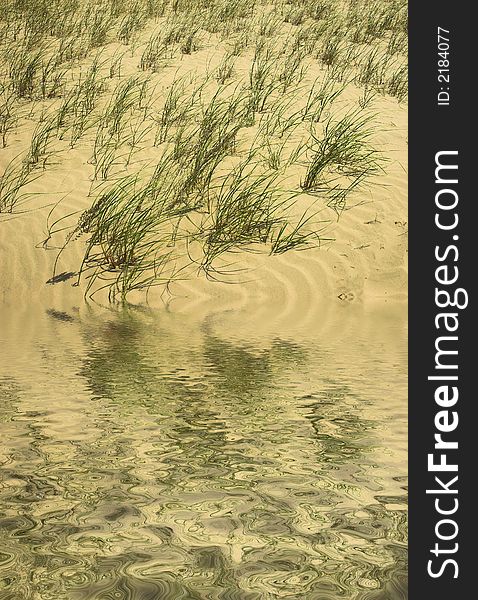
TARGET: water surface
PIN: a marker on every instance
(150, 454)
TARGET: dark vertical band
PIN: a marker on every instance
(442, 432)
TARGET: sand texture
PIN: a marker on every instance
(360, 251)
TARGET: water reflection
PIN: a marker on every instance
(149, 456)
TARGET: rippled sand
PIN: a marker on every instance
(367, 259)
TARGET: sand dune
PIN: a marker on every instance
(366, 260)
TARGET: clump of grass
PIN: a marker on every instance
(371, 20)
(249, 211)
(268, 24)
(96, 24)
(219, 15)
(15, 177)
(155, 8)
(296, 236)
(294, 15)
(115, 65)
(23, 69)
(321, 96)
(51, 78)
(309, 37)
(373, 69)
(122, 126)
(183, 33)
(344, 149)
(190, 42)
(208, 144)
(177, 108)
(293, 69)
(239, 43)
(69, 49)
(397, 84)
(40, 144)
(330, 49)
(281, 119)
(225, 71)
(132, 22)
(243, 211)
(367, 97)
(397, 43)
(139, 130)
(275, 153)
(105, 154)
(319, 9)
(130, 228)
(8, 114)
(155, 55)
(384, 73)
(127, 95)
(262, 79)
(83, 100)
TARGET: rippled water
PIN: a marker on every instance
(149, 455)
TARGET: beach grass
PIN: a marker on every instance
(189, 165)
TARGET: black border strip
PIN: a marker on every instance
(434, 128)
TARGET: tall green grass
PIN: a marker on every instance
(343, 149)
(217, 176)
(14, 179)
(8, 113)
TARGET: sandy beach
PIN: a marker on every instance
(362, 253)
